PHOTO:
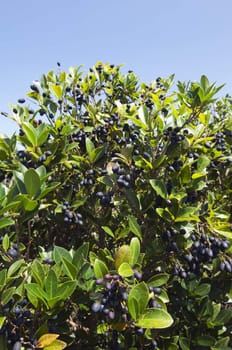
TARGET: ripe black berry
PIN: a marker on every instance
(34, 88)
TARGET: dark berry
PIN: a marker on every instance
(34, 88)
(12, 252)
(96, 307)
(21, 100)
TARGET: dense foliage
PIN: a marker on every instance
(115, 203)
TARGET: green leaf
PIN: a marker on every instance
(42, 172)
(30, 133)
(205, 340)
(203, 289)
(42, 134)
(202, 163)
(185, 174)
(66, 289)
(187, 214)
(89, 147)
(204, 83)
(2, 320)
(141, 294)
(134, 250)
(125, 270)
(28, 204)
(7, 295)
(38, 272)
(184, 343)
(57, 90)
(158, 161)
(97, 153)
(158, 280)
(134, 226)
(223, 317)
(80, 256)
(69, 268)
(15, 267)
(222, 343)
(144, 115)
(100, 268)
(108, 231)
(32, 182)
(51, 284)
(165, 214)
(19, 179)
(2, 278)
(59, 253)
(133, 307)
(37, 291)
(155, 318)
(4, 222)
(132, 199)
(159, 187)
(6, 242)
(47, 190)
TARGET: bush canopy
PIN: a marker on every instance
(115, 215)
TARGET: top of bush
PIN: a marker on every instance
(115, 203)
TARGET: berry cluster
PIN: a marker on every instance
(176, 165)
(25, 159)
(100, 134)
(112, 305)
(174, 135)
(105, 198)
(220, 141)
(123, 180)
(89, 178)
(79, 137)
(44, 156)
(204, 250)
(70, 216)
(170, 237)
(16, 323)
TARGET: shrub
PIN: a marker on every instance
(115, 204)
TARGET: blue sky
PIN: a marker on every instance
(154, 38)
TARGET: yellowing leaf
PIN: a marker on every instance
(56, 345)
(120, 326)
(122, 255)
(46, 340)
(57, 90)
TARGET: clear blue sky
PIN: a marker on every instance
(154, 38)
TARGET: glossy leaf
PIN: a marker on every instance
(32, 182)
(141, 294)
(5, 222)
(122, 255)
(134, 250)
(158, 280)
(30, 133)
(100, 268)
(125, 270)
(46, 340)
(159, 187)
(155, 318)
(56, 345)
(57, 90)
(134, 226)
(51, 283)
(69, 268)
